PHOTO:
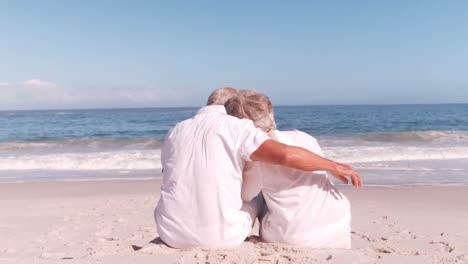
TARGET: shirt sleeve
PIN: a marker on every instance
(250, 139)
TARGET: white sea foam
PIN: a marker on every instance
(385, 158)
(112, 160)
(402, 138)
(150, 159)
(78, 144)
(143, 159)
(421, 136)
(363, 154)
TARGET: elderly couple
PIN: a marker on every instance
(228, 165)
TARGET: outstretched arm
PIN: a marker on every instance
(299, 158)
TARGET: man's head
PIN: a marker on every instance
(246, 92)
(221, 95)
(256, 107)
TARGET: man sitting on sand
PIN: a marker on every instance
(303, 207)
(203, 159)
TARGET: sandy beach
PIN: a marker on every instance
(112, 222)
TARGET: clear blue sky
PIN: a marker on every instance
(73, 54)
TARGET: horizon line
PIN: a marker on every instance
(174, 107)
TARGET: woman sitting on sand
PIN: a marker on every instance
(302, 208)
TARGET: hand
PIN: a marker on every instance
(343, 170)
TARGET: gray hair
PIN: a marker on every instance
(221, 95)
(235, 107)
(246, 93)
(256, 107)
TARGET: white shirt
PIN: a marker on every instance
(304, 208)
(203, 159)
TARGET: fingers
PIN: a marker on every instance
(346, 170)
(342, 178)
(356, 179)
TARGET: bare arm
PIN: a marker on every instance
(299, 158)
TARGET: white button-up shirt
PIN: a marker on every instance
(203, 158)
(304, 208)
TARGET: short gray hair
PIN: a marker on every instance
(256, 107)
(246, 93)
(221, 95)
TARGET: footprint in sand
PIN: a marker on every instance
(295, 259)
(445, 246)
(210, 256)
(385, 250)
(363, 236)
(462, 259)
(279, 253)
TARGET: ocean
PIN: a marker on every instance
(390, 145)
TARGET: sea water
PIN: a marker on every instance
(390, 145)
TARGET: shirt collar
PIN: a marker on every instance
(212, 109)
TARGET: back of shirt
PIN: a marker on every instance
(260, 176)
(203, 158)
(304, 208)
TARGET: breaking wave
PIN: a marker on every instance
(112, 160)
(82, 144)
(416, 136)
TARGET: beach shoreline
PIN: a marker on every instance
(112, 222)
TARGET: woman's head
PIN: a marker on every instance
(254, 106)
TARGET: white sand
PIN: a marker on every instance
(99, 222)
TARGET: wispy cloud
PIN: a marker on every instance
(38, 82)
(44, 94)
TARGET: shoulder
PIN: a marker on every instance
(243, 124)
(181, 125)
(300, 136)
(305, 140)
